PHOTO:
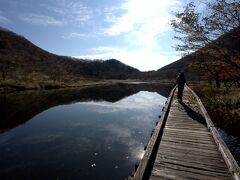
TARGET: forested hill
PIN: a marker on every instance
(202, 65)
(22, 61)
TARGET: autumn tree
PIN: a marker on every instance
(213, 33)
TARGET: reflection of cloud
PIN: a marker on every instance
(141, 101)
(118, 131)
(124, 135)
(147, 117)
(74, 124)
(138, 152)
(5, 138)
(42, 138)
(129, 133)
(103, 107)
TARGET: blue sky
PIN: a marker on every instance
(135, 32)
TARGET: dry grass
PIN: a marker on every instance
(223, 108)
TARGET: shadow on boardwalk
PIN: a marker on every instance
(193, 114)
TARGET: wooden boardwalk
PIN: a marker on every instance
(186, 145)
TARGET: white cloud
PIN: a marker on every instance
(4, 20)
(143, 20)
(77, 35)
(41, 20)
(73, 12)
(141, 25)
(53, 9)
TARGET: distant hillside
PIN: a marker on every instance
(201, 66)
(23, 64)
(170, 71)
(21, 61)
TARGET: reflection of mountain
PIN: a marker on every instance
(18, 108)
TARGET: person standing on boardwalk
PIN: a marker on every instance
(180, 84)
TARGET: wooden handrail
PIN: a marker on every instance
(227, 156)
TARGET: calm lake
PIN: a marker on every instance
(91, 133)
(94, 133)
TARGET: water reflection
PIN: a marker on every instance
(138, 101)
(17, 108)
(233, 143)
(96, 133)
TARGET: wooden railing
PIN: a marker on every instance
(227, 156)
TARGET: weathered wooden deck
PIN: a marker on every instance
(186, 145)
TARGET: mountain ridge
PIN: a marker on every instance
(23, 62)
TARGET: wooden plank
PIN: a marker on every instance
(173, 173)
(186, 148)
(192, 167)
(190, 131)
(186, 128)
(206, 149)
(191, 160)
(196, 149)
(189, 141)
(192, 156)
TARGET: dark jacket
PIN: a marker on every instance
(181, 80)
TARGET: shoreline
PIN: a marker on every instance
(6, 88)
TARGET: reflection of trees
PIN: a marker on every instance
(233, 143)
(17, 108)
(236, 149)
